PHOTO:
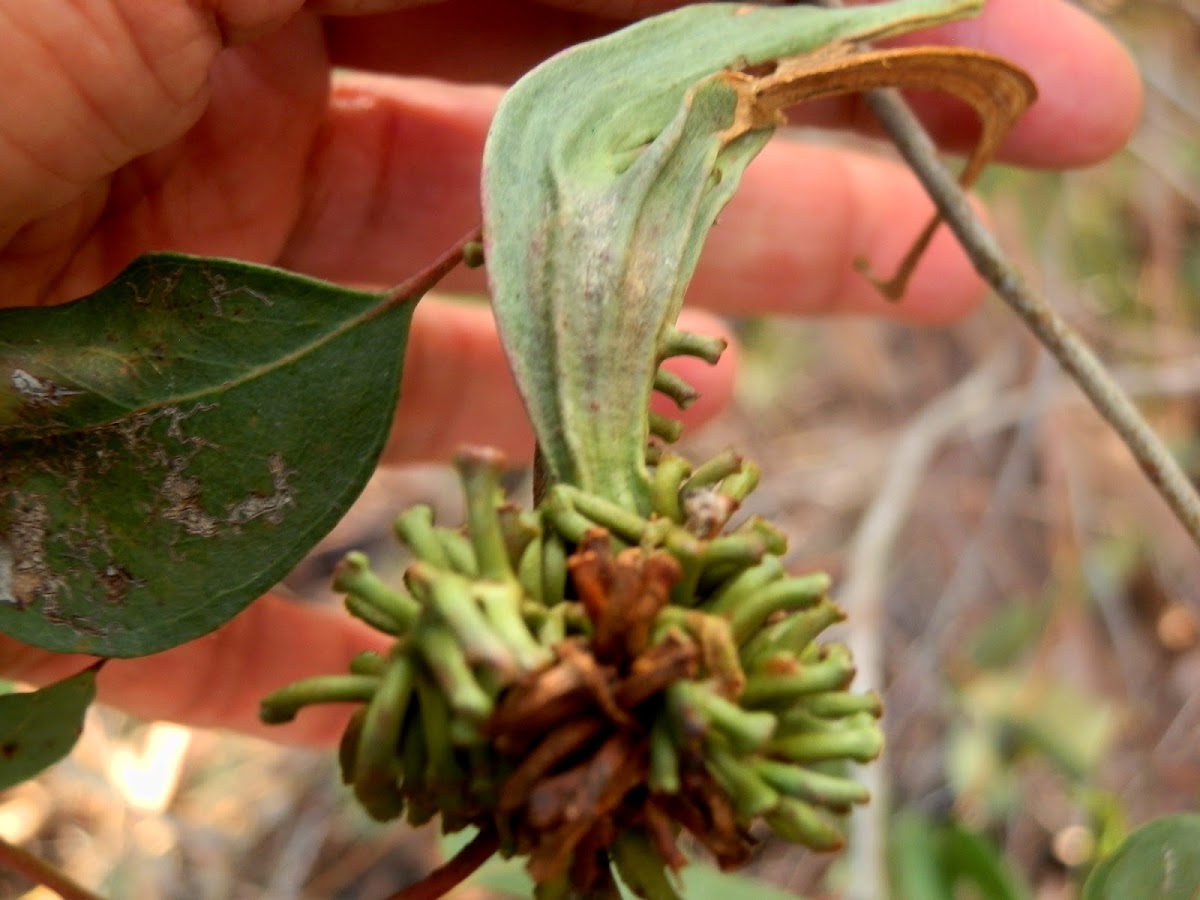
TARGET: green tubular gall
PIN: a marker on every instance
(739, 589)
(368, 662)
(348, 745)
(861, 744)
(740, 485)
(479, 471)
(792, 634)
(689, 553)
(414, 527)
(664, 488)
(732, 553)
(814, 787)
(687, 343)
(518, 528)
(788, 594)
(459, 552)
(354, 576)
(699, 711)
(376, 775)
(714, 470)
(554, 569)
(751, 795)
(773, 539)
(529, 571)
(602, 513)
(664, 758)
(678, 389)
(768, 690)
(801, 720)
(368, 612)
(800, 823)
(501, 605)
(449, 596)
(839, 704)
(282, 705)
(448, 664)
(435, 729)
(641, 867)
(570, 524)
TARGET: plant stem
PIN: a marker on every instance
(1055, 334)
(452, 873)
(417, 284)
(1060, 340)
(19, 860)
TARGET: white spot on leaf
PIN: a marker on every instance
(38, 391)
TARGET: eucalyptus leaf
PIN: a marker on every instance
(604, 169)
(38, 728)
(1160, 860)
(174, 443)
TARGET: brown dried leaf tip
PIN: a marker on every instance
(581, 727)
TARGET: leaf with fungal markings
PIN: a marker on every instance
(173, 444)
(606, 166)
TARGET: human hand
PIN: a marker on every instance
(221, 129)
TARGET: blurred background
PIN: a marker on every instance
(1024, 602)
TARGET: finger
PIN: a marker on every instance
(395, 179)
(1090, 91)
(1085, 77)
(805, 216)
(84, 92)
(230, 187)
(458, 389)
(218, 680)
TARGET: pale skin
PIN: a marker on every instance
(218, 127)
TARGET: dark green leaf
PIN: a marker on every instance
(174, 443)
(1160, 860)
(38, 728)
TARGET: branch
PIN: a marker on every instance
(1062, 342)
(1059, 339)
(37, 870)
(451, 874)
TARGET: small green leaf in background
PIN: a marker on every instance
(1071, 728)
(38, 728)
(1159, 860)
(935, 861)
(1008, 633)
(173, 444)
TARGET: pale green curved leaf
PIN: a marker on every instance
(604, 169)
